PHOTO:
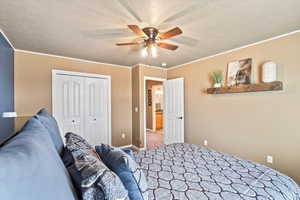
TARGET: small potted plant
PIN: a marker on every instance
(217, 78)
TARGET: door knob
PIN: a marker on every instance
(179, 117)
(73, 121)
(95, 119)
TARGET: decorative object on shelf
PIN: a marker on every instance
(217, 78)
(239, 72)
(260, 87)
(269, 72)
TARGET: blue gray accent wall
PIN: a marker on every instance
(6, 88)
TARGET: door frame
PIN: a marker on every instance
(56, 72)
(148, 78)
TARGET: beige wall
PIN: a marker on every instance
(33, 88)
(249, 125)
(135, 105)
(138, 93)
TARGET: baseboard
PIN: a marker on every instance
(126, 146)
(133, 146)
(143, 148)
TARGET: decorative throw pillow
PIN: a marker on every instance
(50, 124)
(95, 180)
(127, 169)
(128, 151)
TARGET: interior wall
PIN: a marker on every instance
(149, 114)
(249, 125)
(138, 104)
(33, 87)
(135, 106)
(6, 88)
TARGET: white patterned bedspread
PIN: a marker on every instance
(186, 171)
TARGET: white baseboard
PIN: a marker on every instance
(126, 146)
(131, 145)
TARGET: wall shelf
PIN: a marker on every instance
(259, 87)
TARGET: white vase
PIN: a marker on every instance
(269, 72)
(217, 85)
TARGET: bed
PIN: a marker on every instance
(191, 172)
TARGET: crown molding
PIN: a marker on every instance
(150, 66)
(5, 36)
(71, 58)
(235, 49)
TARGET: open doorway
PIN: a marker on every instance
(154, 113)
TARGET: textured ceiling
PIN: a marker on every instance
(90, 29)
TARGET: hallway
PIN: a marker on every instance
(154, 139)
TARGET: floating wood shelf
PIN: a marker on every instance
(260, 87)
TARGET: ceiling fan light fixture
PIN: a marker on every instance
(144, 52)
(153, 51)
(152, 39)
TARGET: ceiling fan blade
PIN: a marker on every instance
(127, 43)
(139, 32)
(171, 33)
(167, 46)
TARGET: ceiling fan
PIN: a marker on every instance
(151, 38)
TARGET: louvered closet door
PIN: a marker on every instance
(96, 110)
(69, 104)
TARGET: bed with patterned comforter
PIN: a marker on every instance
(186, 171)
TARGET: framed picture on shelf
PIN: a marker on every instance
(239, 72)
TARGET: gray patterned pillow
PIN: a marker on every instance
(91, 175)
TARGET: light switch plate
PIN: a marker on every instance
(270, 159)
(205, 143)
(123, 135)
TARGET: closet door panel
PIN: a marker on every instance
(69, 104)
(96, 110)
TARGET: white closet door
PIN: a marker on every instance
(69, 100)
(174, 111)
(96, 110)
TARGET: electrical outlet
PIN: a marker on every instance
(205, 143)
(123, 135)
(270, 159)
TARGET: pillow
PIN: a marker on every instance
(127, 169)
(90, 174)
(50, 124)
(128, 151)
(31, 169)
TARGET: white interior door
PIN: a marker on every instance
(174, 111)
(96, 107)
(69, 104)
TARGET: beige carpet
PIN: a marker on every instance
(154, 139)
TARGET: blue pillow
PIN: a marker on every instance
(51, 125)
(128, 151)
(31, 169)
(127, 169)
